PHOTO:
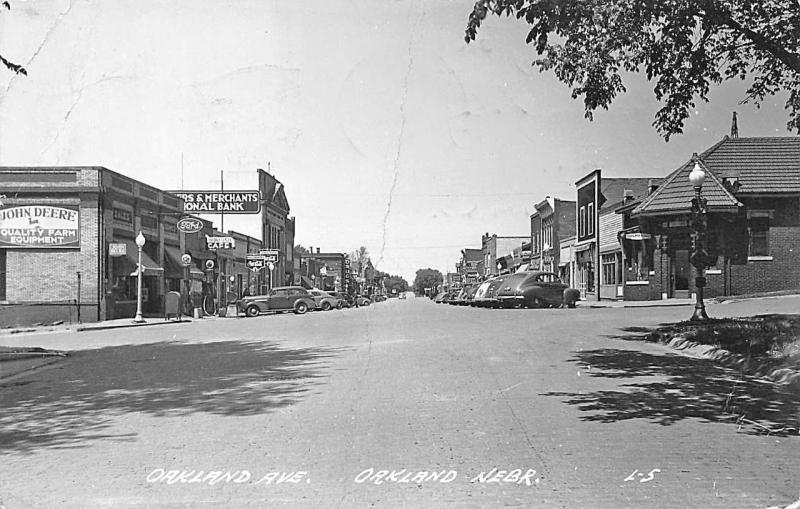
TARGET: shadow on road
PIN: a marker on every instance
(669, 388)
(78, 401)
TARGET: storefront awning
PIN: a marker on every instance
(306, 283)
(172, 263)
(151, 268)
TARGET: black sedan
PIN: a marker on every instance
(536, 289)
(284, 298)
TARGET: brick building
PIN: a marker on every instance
(494, 248)
(68, 247)
(752, 188)
(552, 220)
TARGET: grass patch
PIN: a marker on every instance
(768, 337)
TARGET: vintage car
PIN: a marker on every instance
(345, 300)
(488, 299)
(279, 299)
(469, 295)
(362, 301)
(536, 289)
(324, 300)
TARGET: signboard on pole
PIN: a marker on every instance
(220, 202)
(255, 262)
(270, 255)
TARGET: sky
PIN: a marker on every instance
(385, 127)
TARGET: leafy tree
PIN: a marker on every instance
(427, 278)
(300, 249)
(395, 284)
(684, 46)
(359, 259)
(11, 65)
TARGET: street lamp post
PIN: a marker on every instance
(699, 255)
(140, 244)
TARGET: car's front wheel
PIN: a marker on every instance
(252, 310)
(326, 306)
(300, 308)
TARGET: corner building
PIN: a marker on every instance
(68, 249)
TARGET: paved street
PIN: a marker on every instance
(402, 404)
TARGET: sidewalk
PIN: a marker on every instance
(637, 303)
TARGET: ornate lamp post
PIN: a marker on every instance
(140, 244)
(699, 255)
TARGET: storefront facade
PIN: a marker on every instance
(71, 251)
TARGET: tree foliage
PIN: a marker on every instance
(683, 46)
(11, 65)
(427, 278)
(395, 284)
(359, 259)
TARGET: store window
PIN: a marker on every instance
(590, 219)
(582, 222)
(611, 269)
(639, 260)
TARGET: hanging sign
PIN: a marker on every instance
(270, 255)
(39, 226)
(189, 225)
(220, 242)
(220, 202)
(117, 249)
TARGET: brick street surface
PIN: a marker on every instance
(327, 401)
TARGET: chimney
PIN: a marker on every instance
(627, 195)
(317, 250)
(734, 127)
(651, 186)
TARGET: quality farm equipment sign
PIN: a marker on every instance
(39, 226)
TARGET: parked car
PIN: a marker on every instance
(363, 301)
(488, 299)
(379, 298)
(402, 295)
(458, 297)
(279, 299)
(536, 289)
(469, 295)
(324, 300)
(344, 299)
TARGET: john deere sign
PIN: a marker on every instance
(39, 226)
(220, 202)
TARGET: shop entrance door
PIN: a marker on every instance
(681, 271)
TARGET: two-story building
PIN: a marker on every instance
(552, 220)
(598, 255)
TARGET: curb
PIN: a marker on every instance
(782, 376)
(127, 325)
(18, 367)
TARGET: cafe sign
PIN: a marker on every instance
(39, 226)
(220, 242)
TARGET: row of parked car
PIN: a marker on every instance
(529, 289)
(298, 300)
